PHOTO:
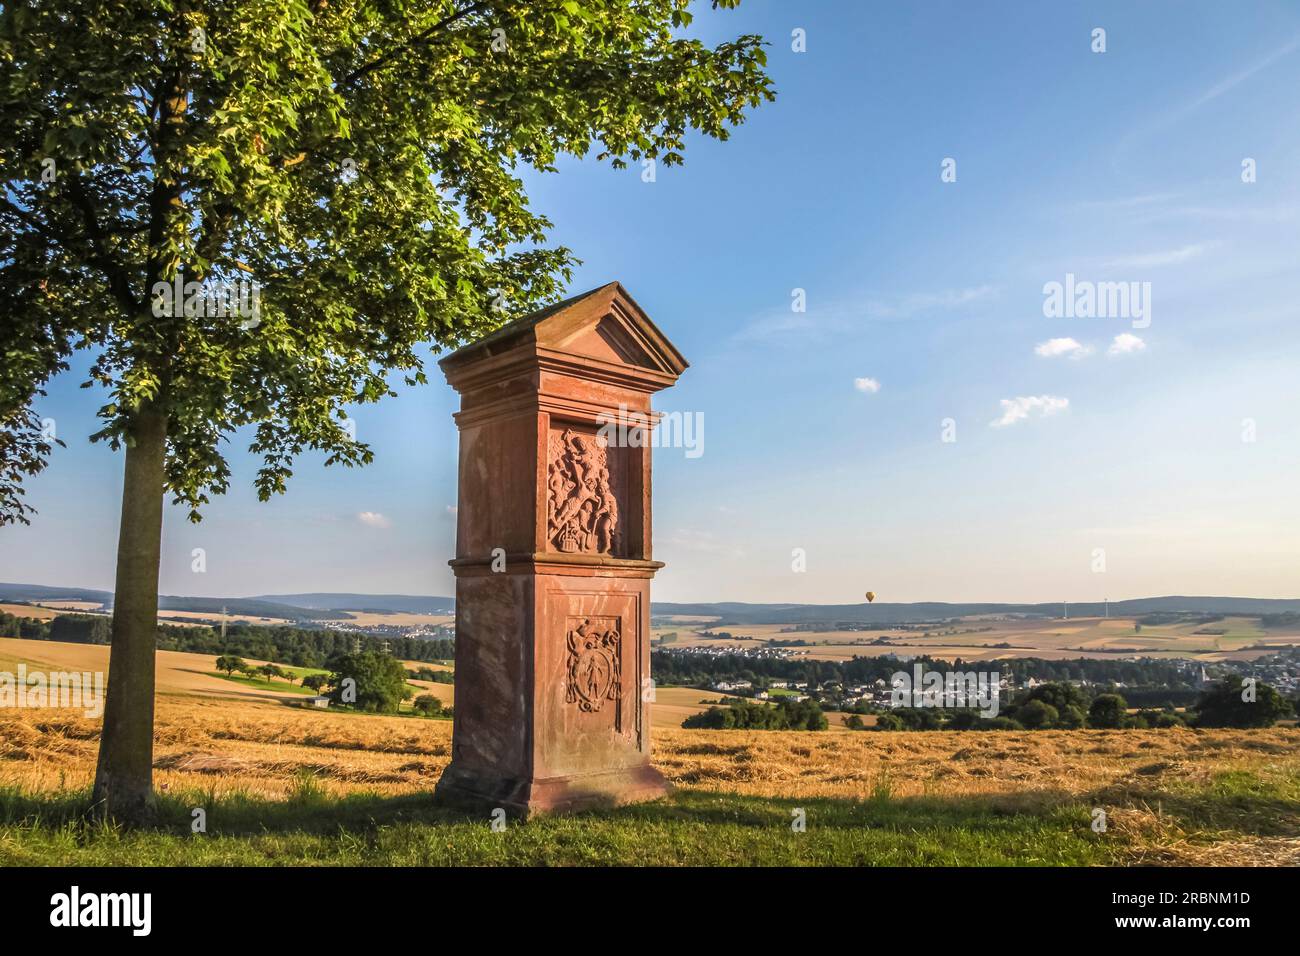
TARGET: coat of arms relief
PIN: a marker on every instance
(595, 663)
(581, 506)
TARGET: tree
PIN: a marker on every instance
(1060, 694)
(889, 721)
(81, 629)
(426, 705)
(328, 187)
(369, 681)
(1071, 717)
(315, 681)
(1107, 711)
(1234, 703)
(1037, 715)
(230, 663)
(964, 719)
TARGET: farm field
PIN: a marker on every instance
(287, 786)
(47, 610)
(977, 640)
(390, 618)
(672, 705)
(215, 617)
(179, 673)
(31, 610)
(65, 606)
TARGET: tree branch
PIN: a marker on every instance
(420, 38)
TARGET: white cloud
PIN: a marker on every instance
(1023, 407)
(1126, 343)
(868, 385)
(374, 519)
(1053, 348)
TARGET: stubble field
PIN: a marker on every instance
(283, 785)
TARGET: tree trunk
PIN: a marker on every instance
(124, 777)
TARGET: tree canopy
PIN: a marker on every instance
(358, 162)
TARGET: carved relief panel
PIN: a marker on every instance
(583, 488)
(595, 665)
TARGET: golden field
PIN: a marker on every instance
(975, 639)
(261, 749)
(1175, 796)
(31, 610)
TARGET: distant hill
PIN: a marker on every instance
(404, 603)
(319, 606)
(882, 613)
(42, 592)
(242, 607)
(239, 607)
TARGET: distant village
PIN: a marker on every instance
(419, 632)
(1281, 671)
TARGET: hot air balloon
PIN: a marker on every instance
(871, 596)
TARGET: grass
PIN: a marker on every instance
(703, 829)
(310, 827)
(262, 683)
(287, 785)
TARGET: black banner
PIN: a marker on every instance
(336, 906)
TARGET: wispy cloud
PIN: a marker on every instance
(705, 542)
(868, 385)
(841, 316)
(1236, 79)
(1023, 407)
(1165, 257)
(1124, 202)
(931, 301)
(1055, 348)
(374, 519)
(1126, 343)
(1228, 83)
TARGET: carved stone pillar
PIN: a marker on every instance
(553, 561)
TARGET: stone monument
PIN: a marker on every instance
(553, 560)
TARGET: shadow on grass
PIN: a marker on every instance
(688, 827)
(1235, 801)
(311, 809)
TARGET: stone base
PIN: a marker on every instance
(477, 791)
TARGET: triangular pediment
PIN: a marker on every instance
(604, 325)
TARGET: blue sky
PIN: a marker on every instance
(1117, 166)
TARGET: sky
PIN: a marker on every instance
(927, 427)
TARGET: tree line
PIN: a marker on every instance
(739, 714)
(282, 644)
(1058, 706)
(697, 670)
